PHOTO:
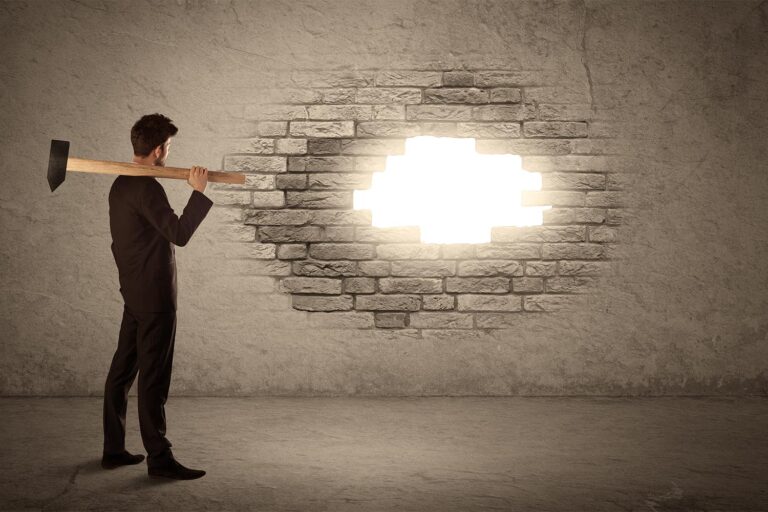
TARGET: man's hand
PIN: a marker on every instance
(198, 178)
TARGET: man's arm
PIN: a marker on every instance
(177, 230)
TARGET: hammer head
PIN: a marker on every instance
(57, 163)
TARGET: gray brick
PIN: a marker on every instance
(332, 251)
(490, 268)
(471, 302)
(505, 95)
(553, 129)
(255, 163)
(291, 251)
(542, 234)
(322, 129)
(524, 146)
(290, 234)
(387, 129)
(230, 197)
(458, 79)
(321, 303)
(330, 217)
(423, 268)
(388, 95)
(410, 285)
(291, 181)
(582, 251)
(372, 146)
(273, 199)
(272, 128)
(582, 268)
(291, 146)
(477, 284)
(332, 180)
(318, 199)
(317, 285)
(339, 233)
(321, 163)
(552, 197)
(426, 320)
(458, 251)
(527, 284)
(506, 251)
(324, 268)
(394, 235)
(276, 217)
(540, 268)
(574, 215)
(337, 96)
(340, 112)
(606, 199)
(488, 130)
(387, 302)
(323, 146)
(518, 112)
(376, 268)
(438, 112)
(409, 78)
(438, 302)
(359, 285)
(455, 95)
(516, 78)
(389, 320)
(370, 163)
(408, 251)
(395, 112)
(438, 128)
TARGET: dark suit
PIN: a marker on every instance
(144, 231)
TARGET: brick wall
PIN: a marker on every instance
(316, 136)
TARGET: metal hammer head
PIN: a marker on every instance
(57, 163)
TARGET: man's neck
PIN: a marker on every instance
(143, 160)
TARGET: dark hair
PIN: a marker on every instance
(151, 131)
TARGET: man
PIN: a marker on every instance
(144, 231)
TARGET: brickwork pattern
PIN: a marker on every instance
(321, 135)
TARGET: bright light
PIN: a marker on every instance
(452, 193)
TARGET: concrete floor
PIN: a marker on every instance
(420, 454)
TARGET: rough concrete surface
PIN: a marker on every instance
(681, 84)
(387, 453)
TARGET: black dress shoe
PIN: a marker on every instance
(111, 461)
(174, 469)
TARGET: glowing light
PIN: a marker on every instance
(454, 194)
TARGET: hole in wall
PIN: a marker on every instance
(451, 192)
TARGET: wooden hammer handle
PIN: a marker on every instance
(131, 169)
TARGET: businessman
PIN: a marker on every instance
(144, 231)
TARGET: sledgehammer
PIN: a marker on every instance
(59, 162)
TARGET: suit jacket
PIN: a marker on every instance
(144, 231)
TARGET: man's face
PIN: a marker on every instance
(161, 153)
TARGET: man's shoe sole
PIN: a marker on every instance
(174, 475)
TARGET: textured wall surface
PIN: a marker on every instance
(669, 101)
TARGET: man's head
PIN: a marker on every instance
(151, 138)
